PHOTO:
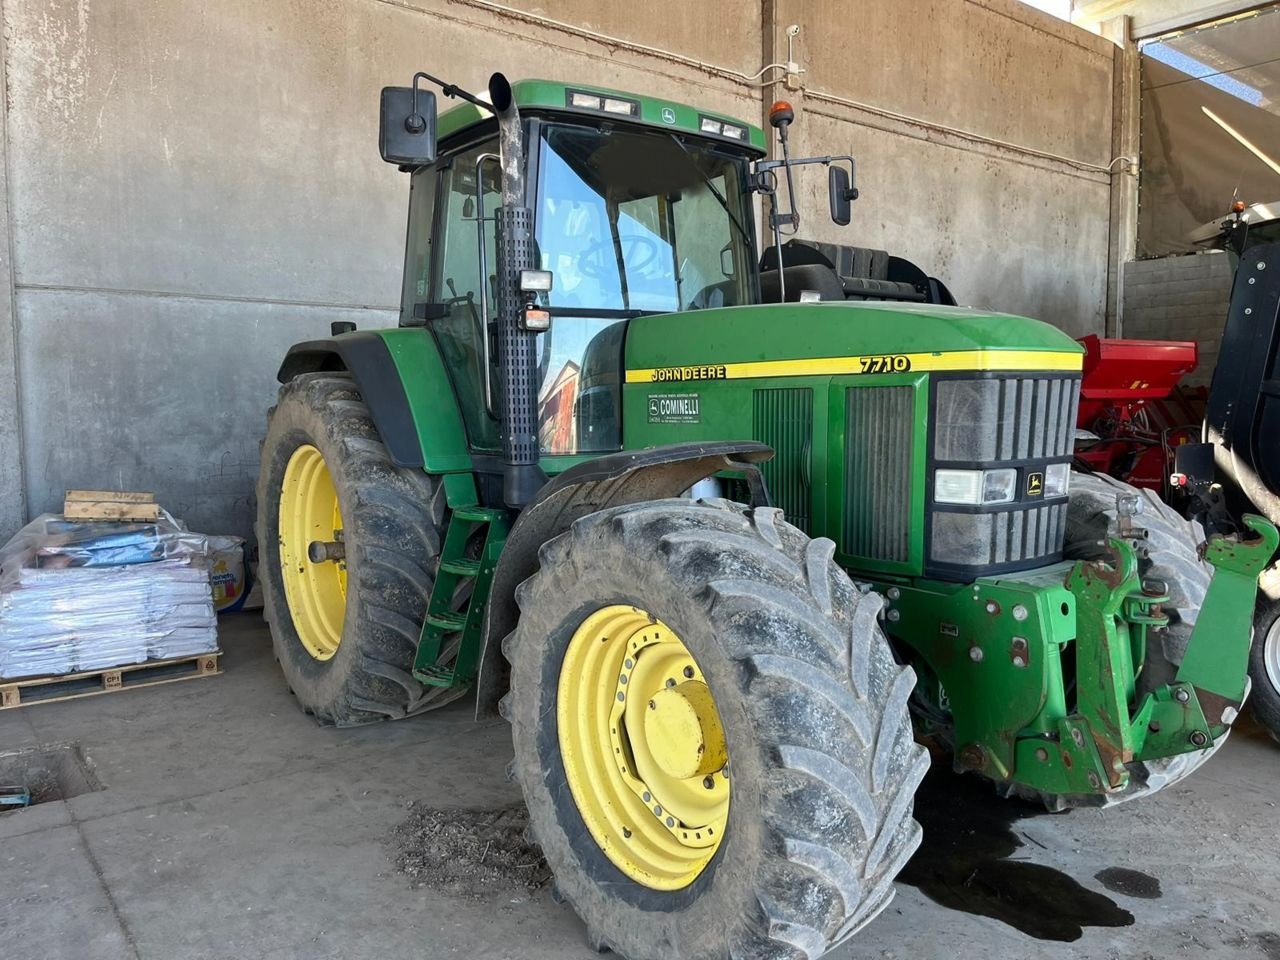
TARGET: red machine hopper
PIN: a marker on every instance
(1129, 405)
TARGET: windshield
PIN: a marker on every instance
(633, 220)
(626, 221)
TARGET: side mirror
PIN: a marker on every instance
(842, 194)
(407, 126)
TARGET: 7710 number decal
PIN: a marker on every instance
(888, 363)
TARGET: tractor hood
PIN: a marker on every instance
(839, 338)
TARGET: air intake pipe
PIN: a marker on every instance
(517, 357)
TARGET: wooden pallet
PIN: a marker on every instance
(110, 505)
(92, 683)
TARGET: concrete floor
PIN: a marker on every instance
(231, 826)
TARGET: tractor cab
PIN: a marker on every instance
(628, 219)
(637, 207)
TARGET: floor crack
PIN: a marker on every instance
(106, 889)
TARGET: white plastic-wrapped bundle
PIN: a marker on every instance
(87, 596)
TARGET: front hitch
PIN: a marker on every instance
(1114, 611)
(1216, 664)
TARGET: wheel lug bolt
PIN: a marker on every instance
(688, 672)
(709, 782)
(652, 705)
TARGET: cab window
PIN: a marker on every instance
(460, 287)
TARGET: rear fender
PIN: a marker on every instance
(403, 380)
(608, 481)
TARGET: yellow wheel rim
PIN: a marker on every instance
(316, 592)
(643, 749)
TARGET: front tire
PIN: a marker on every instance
(822, 768)
(345, 633)
(1264, 657)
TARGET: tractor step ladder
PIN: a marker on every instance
(449, 625)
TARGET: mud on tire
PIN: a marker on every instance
(814, 709)
(393, 525)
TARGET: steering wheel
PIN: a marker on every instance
(638, 252)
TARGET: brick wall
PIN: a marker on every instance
(1179, 298)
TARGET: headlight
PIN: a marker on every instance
(1057, 477)
(999, 486)
(974, 486)
(957, 486)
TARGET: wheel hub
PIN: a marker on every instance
(643, 747)
(315, 587)
(684, 732)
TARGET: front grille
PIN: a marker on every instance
(1015, 422)
(1007, 418)
(784, 420)
(877, 494)
(998, 539)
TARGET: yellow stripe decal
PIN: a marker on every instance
(1058, 361)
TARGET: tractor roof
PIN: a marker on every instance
(559, 97)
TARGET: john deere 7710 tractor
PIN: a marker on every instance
(720, 534)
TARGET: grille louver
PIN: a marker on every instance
(1005, 419)
(878, 472)
(784, 420)
(1037, 418)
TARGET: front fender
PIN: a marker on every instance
(609, 481)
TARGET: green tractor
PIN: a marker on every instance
(721, 535)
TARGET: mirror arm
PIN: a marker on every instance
(763, 165)
(763, 183)
(448, 89)
(852, 192)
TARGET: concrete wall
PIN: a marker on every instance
(980, 127)
(194, 184)
(1180, 298)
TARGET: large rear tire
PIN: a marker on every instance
(814, 801)
(346, 659)
(1173, 544)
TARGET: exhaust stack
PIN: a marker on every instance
(517, 358)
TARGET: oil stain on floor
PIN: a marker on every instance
(965, 863)
(1130, 883)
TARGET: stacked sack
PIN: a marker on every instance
(77, 595)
